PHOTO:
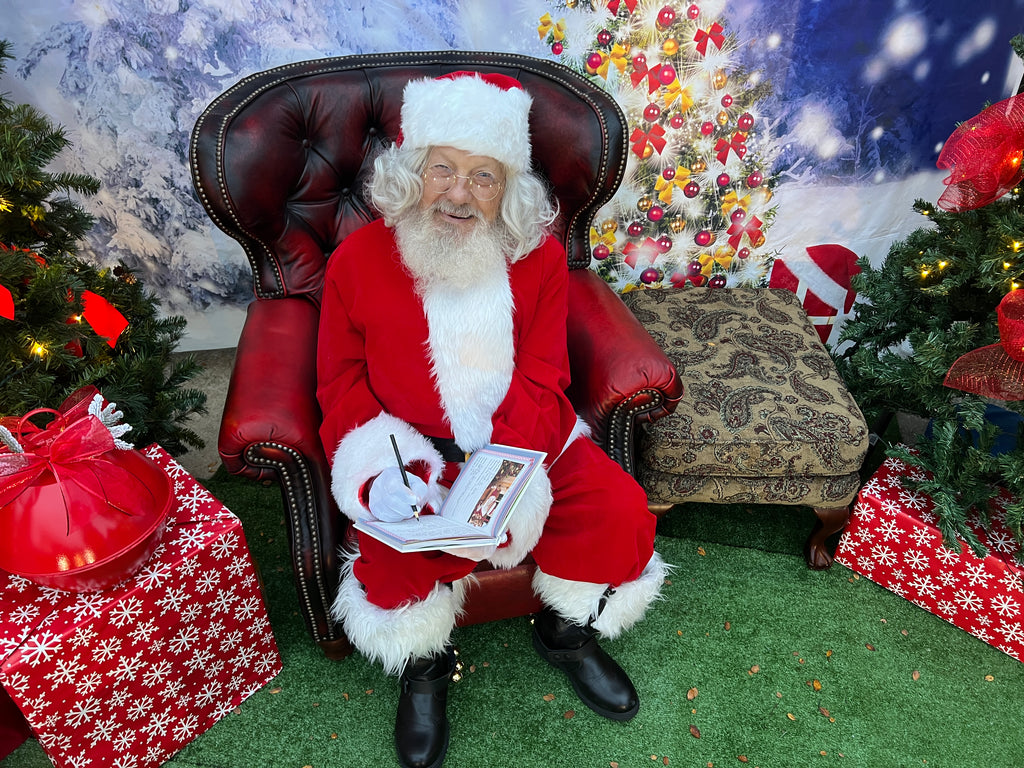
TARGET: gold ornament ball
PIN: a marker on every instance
(608, 226)
(644, 203)
(677, 225)
(698, 166)
(722, 118)
(719, 79)
(648, 151)
(670, 46)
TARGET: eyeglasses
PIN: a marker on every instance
(483, 185)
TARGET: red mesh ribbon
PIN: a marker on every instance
(984, 157)
(996, 371)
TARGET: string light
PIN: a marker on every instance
(37, 349)
(943, 264)
(1007, 265)
(925, 273)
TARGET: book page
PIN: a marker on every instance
(487, 487)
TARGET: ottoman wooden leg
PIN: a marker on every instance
(829, 521)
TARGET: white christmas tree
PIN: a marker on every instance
(696, 202)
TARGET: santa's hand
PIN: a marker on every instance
(475, 553)
(390, 500)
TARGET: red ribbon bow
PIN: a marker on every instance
(632, 253)
(655, 136)
(713, 33)
(751, 227)
(680, 279)
(613, 6)
(738, 144)
(651, 73)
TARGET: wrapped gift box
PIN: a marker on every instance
(127, 676)
(892, 539)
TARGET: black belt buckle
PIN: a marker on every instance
(448, 448)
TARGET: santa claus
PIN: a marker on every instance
(443, 324)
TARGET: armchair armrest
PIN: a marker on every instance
(620, 376)
(270, 431)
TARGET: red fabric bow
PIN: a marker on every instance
(613, 6)
(679, 279)
(655, 136)
(713, 33)
(984, 157)
(632, 252)
(651, 73)
(751, 227)
(6, 303)
(737, 143)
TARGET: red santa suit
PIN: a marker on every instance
(485, 364)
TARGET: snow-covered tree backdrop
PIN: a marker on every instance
(850, 101)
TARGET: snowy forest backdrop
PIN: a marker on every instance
(864, 92)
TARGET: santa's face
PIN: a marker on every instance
(461, 189)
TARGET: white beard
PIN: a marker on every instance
(439, 256)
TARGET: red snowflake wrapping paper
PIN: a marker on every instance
(892, 539)
(125, 677)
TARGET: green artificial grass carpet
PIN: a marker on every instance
(750, 658)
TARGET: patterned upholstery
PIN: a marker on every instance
(765, 417)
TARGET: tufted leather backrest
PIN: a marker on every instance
(280, 160)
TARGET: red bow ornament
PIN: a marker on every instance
(76, 511)
(640, 139)
(632, 253)
(751, 227)
(714, 34)
(613, 6)
(737, 143)
(641, 70)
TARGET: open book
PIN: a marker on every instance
(476, 511)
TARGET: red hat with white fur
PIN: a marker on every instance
(485, 114)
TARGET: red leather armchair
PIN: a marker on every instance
(279, 161)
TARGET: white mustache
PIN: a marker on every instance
(462, 211)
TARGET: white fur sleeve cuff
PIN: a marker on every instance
(366, 450)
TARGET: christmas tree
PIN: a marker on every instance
(695, 205)
(65, 324)
(933, 301)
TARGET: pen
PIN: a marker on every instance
(405, 477)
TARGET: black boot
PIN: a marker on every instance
(421, 725)
(595, 676)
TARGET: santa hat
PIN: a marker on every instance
(996, 371)
(485, 114)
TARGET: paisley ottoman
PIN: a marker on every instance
(765, 418)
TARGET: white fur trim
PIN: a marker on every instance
(579, 601)
(472, 354)
(366, 450)
(469, 114)
(527, 522)
(396, 636)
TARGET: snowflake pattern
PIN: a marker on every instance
(127, 676)
(892, 539)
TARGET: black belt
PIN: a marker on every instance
(448, 448)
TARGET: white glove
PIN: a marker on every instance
(390, 500)
(476, 553)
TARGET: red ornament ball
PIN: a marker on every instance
(635, 229)
(602, 251)
(604, 37)
(745, 121)
(755, 179)
(693, 11)
(664, 243)
(693, 268)
(692, 189)
(723, 180)
(717, 281)
(703, 238)
(594, 61)
(737, 216)
(707, 128)
(676, 121)
(667, 74)
(652, 112)
(557, 48)
(668, 174)
(665, 17)
(650, 275)
(727, 101)
(640, 61)
(655, 213)
(743, 253)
